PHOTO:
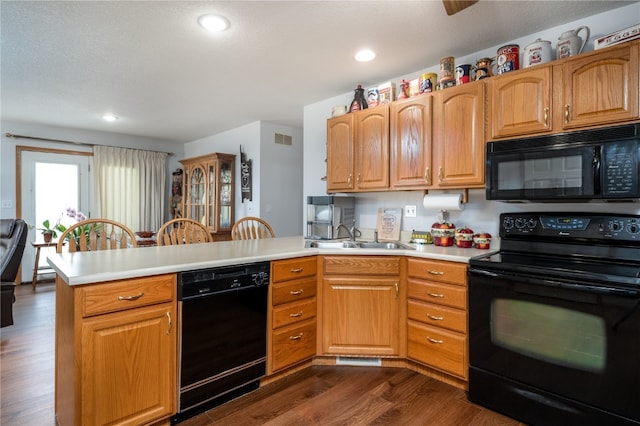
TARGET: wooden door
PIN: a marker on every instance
(411, 142)
(129, 366)
(340, 153)
(372, 148)
(520, 103)
(361, 316)
(458, 136)
(600, 88)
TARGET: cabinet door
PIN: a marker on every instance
(411, 142)
(372, 144)
(361, 316)
(600, 88)
(520, 102)
(195, 199)
(458, 136)
(129, 366)
(340, 153)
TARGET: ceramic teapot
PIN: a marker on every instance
(570, 43)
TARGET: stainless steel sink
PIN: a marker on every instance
(331, 244)
(384, 245)
(388, 245)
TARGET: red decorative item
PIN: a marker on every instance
(482, 240)
(464, 237)
(443, 233)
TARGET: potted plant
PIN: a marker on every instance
(50, 231)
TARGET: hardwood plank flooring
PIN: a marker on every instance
(319, 395)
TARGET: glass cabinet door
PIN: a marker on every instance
(211, 188)
(196, 194)
(226, 186)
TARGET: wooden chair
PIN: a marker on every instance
(96, 234)
(251, 228)
(183, 231)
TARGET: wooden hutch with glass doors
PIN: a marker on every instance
(208, 192)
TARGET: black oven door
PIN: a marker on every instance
(563, 347)
(541, 173)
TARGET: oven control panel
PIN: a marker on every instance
(574, 225)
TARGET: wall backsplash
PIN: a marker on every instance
(478, 214)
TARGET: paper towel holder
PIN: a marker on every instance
(445, 213)
(465, 195)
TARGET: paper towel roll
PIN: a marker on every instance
(449, 202)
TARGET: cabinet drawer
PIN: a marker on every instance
(446, 272)
(294, 312)
(132, 293)
(442, 349)
(284, 270)
(294, 344)
(294, 290)
(439, 316)
(441, 294)
(357, 265)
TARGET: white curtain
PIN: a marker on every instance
(130, 186)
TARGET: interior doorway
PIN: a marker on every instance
(50, 183)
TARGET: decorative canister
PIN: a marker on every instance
(464, 237)
(446, 69)
(482, 240)
(443, 233)
(508, 58)
(536, 53)
(428, 82)
(463, 74)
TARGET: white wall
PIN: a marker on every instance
(479, 214)
(8, 151)
(276, 172)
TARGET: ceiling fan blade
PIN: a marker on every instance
(455, 6)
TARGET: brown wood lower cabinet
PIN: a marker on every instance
(437, 315)
(116, 352)
(292, 336)
(362, 305)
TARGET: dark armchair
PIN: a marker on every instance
(13, 237)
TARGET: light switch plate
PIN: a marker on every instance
(409, 211)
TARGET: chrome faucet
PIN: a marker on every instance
(342, 225)
(353, 232)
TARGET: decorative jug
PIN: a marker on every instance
(570, 43)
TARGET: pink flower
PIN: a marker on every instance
(80, 217)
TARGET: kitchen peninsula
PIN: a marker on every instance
(117, 322)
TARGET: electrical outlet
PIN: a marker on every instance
(409, 211)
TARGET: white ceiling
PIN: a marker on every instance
(65, 63)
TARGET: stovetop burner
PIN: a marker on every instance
(600, 249)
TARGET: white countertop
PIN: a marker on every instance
(108, 265)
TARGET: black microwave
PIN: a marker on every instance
(589, 165)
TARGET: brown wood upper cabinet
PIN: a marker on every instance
(520, 103)
(411, 142)
(358, 151)
(458, 137)
(593, 89)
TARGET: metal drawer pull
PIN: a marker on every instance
(295, 293)
(436, 341)
(170, 323)
(566, 113)
(297, 270)
(435, 272)
(136, 297)
(296, 315)
(546, 117)
(397, 291)
(435, 295)
(435, 318)
(297, 337)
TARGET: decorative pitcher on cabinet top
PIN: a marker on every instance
(570, 43)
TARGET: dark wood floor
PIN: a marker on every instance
(320, 395)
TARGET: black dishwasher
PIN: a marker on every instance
(223, 342)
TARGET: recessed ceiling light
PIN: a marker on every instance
(213, 22)
(109, 117)
(365, 55)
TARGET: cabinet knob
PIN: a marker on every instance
(566, 114)
(134, 297)
(427, 175)
(435, 318)
(296, 292)
(435, 341)
(440, 174)
(296, 337)
(546, 117)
